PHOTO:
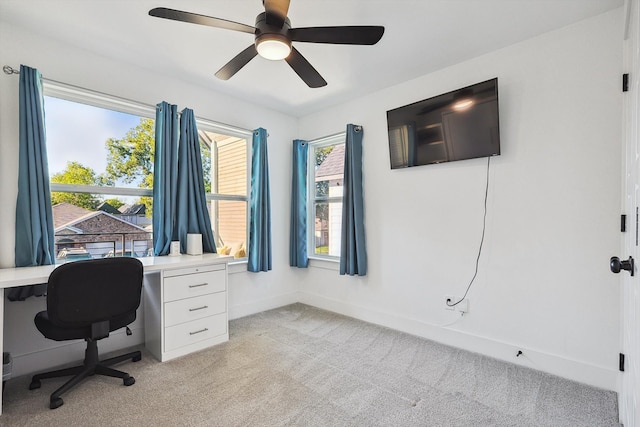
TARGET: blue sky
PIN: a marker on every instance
(78, 132)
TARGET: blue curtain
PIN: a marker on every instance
(259, 250)
(34, 241)
(353, 255)
(192, 215)
(298, 233)
(165, 177)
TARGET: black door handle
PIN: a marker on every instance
(616, 265)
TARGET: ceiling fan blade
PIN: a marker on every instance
(239, 61)
(361, 34)
(194, 18)
(276, 10)
(305, 70)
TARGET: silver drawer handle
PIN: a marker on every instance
(197, 286)
(199, 308)
(197, 332)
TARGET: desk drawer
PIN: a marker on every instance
(190, 285)
(184, 310)
(197, 330)
(191, 270)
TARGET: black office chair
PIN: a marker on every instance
(87, 300)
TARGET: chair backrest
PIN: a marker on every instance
(84, 292)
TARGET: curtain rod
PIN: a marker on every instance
(10, 70)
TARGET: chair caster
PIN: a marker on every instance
(55, 402)
(35, 384)
(137, 358)
(129, 381)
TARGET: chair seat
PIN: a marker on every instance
(56, 333)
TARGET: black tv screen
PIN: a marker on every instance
(458, 125)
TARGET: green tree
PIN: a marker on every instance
(130, 159)
(206, 165)
(76, 173)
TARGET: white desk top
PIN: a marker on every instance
(20, 276)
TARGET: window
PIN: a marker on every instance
(101, 153)
(326, 173)
(226, 184)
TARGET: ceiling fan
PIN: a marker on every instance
(273, 37)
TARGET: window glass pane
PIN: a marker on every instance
(329, 166)
(326, 196)
(205, 155)
(227, 171)
(96, 146)
(328, 228)
(112, 229)
(229, 222)
(114, 151)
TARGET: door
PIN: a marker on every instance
(629, 396)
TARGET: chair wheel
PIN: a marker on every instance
(137, 358)
(55, 403)
(35, 384)
(129, 381)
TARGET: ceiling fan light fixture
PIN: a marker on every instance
(273, 47)
(274, 35)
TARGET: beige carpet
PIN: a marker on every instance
(301, 366)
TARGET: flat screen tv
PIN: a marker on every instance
(458, 125)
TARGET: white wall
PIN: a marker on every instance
(248, 292)
(554, 202)
(543, 285)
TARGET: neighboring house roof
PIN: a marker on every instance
(333, 164)
(64, 213)
(106, 207)
(69, 228)
(137, 209)
(77, 223)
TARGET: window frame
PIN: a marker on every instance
(210, 126)
(312, 199)
(102, 100)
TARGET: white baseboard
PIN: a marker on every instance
(576, 370)
(70, 352)
(247, 309)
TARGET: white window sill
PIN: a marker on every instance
(325, 263)
(239, 266)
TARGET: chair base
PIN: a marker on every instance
(91, 366)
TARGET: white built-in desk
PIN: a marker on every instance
(185, 301)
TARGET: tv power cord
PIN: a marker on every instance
(484, 228)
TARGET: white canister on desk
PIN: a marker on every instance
(174, 248)
(194, 244)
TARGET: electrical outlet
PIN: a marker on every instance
(461, 306)
(449, 299)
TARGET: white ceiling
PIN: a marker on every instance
(421, 36)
